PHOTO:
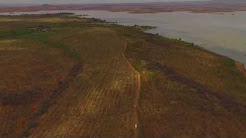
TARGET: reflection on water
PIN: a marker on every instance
(224, 34)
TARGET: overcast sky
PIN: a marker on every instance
(85, 1)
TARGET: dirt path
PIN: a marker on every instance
(241, 67)
(138, 88)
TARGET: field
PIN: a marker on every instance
(187, 91)
(66, 76)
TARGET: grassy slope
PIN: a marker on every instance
(30, 69)
(99, 102)
(186, 91)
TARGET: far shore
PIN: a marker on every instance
(151, 7)
(221, 12)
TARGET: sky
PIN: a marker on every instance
(85, 1)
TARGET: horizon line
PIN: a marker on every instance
(55, 3)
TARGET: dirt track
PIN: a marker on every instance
(138, 88)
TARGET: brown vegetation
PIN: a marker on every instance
(27, 75)
(186, 91)
(81, 79)
(241, 67)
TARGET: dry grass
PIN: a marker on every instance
(186, 91)
(10, 45)
(99, 102)
(9, 20)
(76, 82)
(241, 67)
(26, 71)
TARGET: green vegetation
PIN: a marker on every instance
(144, 28)
(66, 76)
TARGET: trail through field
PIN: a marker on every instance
(138, 88)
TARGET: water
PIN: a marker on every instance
(223, 33)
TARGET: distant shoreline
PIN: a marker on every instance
(133, 12)
(196, 7)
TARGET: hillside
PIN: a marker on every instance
(67, 76)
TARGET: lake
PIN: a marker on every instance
(222, 33)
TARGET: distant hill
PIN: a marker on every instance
(198, 7)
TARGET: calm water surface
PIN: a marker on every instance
(224, 33)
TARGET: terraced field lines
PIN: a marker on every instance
(138, 89)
